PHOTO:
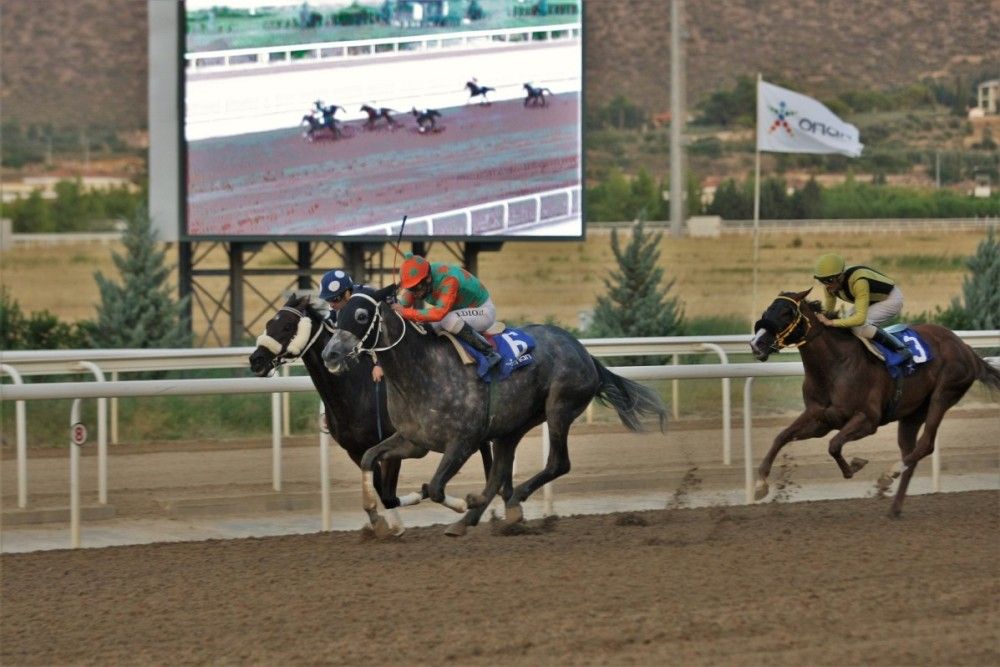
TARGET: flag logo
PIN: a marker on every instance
(782, 113)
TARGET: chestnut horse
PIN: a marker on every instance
(847, 388)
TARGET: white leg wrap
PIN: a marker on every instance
(410, 499)
(368, 495)
(454, 503)
(395, 521)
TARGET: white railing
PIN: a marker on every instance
(137, 388)
(490, 219)
(827, 226)
(310, 53)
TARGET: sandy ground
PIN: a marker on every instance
(822, 582)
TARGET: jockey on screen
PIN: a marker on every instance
(447, 297)
(875, 297)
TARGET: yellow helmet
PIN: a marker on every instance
(829, 265)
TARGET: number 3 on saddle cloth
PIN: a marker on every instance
(893, 361)
(515, 348)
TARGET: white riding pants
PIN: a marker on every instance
(879, 313)
(479, 318)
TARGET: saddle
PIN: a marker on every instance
(894, 364)
(513, 345)
(467, 359)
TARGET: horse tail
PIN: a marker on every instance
(630, 399)
(989, 374)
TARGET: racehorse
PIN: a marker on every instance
(475, 90)
(426, 119)
(316, 125)
(536, 96)
(847, 388)
(355, 405)
(374, 114)
(441, 405)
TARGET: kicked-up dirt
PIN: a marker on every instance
(832, 583)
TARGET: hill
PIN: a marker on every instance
(84, 62)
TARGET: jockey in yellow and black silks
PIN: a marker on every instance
(447, 297)
(875, 297)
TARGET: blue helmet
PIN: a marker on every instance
(334, 283)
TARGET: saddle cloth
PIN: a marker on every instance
(513, 345)
(893, 362)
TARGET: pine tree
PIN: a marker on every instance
(636, 304)
(979, 288)
(140, 312)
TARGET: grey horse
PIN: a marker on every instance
(356, 412)
(438, 404)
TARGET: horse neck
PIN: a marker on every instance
(337, 391)
(410, 352)
(825, 349)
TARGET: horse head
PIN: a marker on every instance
(359, 325)
(287, 336)
(783, 323)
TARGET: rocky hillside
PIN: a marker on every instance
(74, 62)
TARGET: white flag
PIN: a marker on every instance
(788, 122)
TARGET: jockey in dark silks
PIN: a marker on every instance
(336, 287)
(876, 300)
(447, 297)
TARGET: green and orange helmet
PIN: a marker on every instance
(414, 269)
(828, 266)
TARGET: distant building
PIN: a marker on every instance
(988, 97)
(422, 12)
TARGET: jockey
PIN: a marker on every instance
(451, 298)
(875, 297)
(336, 287)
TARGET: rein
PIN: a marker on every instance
(781, 337)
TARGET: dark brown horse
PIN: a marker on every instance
(847, 388)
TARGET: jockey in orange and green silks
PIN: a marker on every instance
(447, 297)
(875, 296)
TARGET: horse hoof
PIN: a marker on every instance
(475, 501)
(857, 464)
(884, 482)
(382, 529)
(895, 512)
(456, 529)
(761, 490)
(513, 514)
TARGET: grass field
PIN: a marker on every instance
(535, 281)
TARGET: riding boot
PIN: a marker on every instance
(885, 338)
(473, 338)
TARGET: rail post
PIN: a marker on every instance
(77, 436)
(20, 424)
(324, 467)
(747, 443)
(102, 435)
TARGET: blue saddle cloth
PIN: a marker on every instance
(514, 347)
(894, 362)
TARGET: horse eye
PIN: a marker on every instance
(361, 316)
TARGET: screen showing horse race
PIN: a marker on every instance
(339, 118)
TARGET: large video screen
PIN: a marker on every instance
(337, 119)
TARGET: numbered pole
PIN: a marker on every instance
(77, 436)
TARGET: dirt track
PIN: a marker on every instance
(274, 183)
(808, 583)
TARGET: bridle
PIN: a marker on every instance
(299, 344)
(376, 321)
(781, 337)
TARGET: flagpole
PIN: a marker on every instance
(756, 211)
